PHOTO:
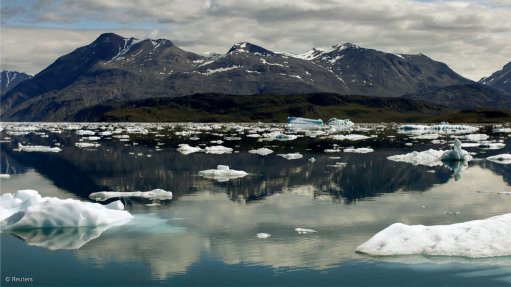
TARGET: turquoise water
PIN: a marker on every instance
(207, 234)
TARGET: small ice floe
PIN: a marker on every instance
(218, 149)
(26, 209)
(304, 230)
(476, 239)
(429, 157)
(476, 137)
(222, 173)
(490, 145)
(5, 176)
(338, 164)
(261, 151)
(86, 144)
(155, 194)
(263, 235)
(456, 154)
(339, 125)
(37, 148)
(358, 150)
(285, 137)
(443, 128)
(427, 136)
(504, 158)
(312, 159)
(332, 150)
(290, 156)
(217, 142)
(92, 138)
(85, 132)
(350, 137)
(186, 149)
(408, 144)
(500, 129)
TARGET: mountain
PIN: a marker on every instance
(375, 73)
(465, 97)
(114, 68)
(499, 80)
(10, 79)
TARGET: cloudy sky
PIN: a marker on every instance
(473, 37)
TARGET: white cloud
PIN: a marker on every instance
(470, 36)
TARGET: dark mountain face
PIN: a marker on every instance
(371, 72)
(465, 97)
(10, 79)
(114, 68)
(500, 80)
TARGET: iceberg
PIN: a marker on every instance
(339, 125)
(443, 128)
(26, 209)
(86, 145)
(5, 176)
(428, 157)
(37, 148)
(222, 173)
(218, 149)
(155, 194)
(261, 151)
(304, 230)
(504, 158)
(304, 123)
(263, 235)
(186, 149)
(456, 154)
(290, 156)
(476, 239)
(358, 150)
(285, 137)
(350, 137)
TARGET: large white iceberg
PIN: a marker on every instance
(26, 209)
(155, 194)
(222, 173)
(428, 157)
(479, 238)
(304, 123)
(339, 125)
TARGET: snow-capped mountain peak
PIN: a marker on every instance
(245, 47)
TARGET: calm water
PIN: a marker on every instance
(207, 234)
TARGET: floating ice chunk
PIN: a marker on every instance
(479, 238)
(37, 148)
(312, 159)
(427, 136)
(27, 209)
(501, 130)
(504, 158)
(290, 156)
(359, 150)
(85, 132)
(304, 123)
(338, 164)
(339, 125)
(263, 235)
(155, 194)
(428, 157)
(443, 128)
(456, 154)
(476, 137)
(218, 149)
(186, 149)
(5, 176)
(332, 150)
(261, 151)
(86, 145)
(490, 145)
(285, 137)
(222, 173)
(350, 137)
(304, 230)
(92, 138)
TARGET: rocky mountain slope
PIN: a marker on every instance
(500, 80)
(10, 79)
(114, 68)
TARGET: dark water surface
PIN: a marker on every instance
(207, 234)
